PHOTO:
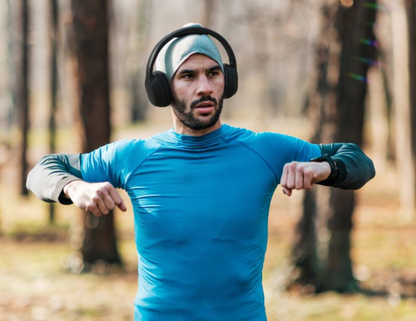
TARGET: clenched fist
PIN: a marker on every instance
(302, 175)
(97, 198)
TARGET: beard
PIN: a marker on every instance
(189, 120)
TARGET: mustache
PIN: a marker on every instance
(202, 99)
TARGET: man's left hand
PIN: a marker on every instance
(302, 175)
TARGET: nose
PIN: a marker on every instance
(204, 86)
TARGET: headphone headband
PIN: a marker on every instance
(156, 87)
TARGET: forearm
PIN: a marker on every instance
(48, 178)
(355, 168)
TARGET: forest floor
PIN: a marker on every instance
(35, 284)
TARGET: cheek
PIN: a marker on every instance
(219, 85)
(180, 91)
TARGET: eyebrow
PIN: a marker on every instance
(190, 71)
(186, 71)
(214, 68)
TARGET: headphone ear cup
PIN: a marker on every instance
(158, 89)
(231, 80)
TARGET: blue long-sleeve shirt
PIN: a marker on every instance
(201, 206)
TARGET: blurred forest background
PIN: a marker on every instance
(72, 75)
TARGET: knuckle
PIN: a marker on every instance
(293, 165)
(308, 171)
(107, 185)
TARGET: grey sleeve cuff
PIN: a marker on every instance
(355, 168)
(48, 178)
(58, 193)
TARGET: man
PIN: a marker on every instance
(200, 191)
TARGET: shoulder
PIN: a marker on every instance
(121, 151)
(266, 139)
(232, 133)
(276, 145)
(130, 152)
(128, 145)
(134, 145)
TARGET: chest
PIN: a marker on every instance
(222, 190)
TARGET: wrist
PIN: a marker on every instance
(68, 188)
(334, 173)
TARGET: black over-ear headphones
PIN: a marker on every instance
(157, 85)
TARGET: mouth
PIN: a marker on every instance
(205, 107)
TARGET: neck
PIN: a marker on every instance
(184, 130)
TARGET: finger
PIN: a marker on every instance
(117, 199)
(283, 179)
(108, 201)
(92, 208)
(299, 178)
(287, 191)
(100, 204)
(307, 180)
(122, 206)
(291, 176)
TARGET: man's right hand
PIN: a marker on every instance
(97, 198)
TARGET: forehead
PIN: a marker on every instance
(197, 61)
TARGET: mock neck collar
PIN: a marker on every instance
(198, 140)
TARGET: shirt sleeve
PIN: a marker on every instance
(291, 149)
(278, 149)
(106, 164)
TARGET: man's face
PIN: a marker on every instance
(197, 88)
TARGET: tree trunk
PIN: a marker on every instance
(338, 275)
(358, 54)
(22, 78)
(344, 57)
(139, 102)
(208, 8)
(411, 24)
(320, 105)
(402, 92)
(11, 71)
(304, 252)
(91, 48)
(54, 40)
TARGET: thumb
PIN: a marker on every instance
(122, 206)
(286, 191)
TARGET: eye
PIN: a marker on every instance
(187, 76)
(214, 73)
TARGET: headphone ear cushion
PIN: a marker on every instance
(231, 80)
(158, 89)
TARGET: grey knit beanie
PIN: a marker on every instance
(176, 51)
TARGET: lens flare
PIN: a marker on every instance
(370, 24)
(369, 42)
(374, 6)
(368, 61)
(357, 77)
